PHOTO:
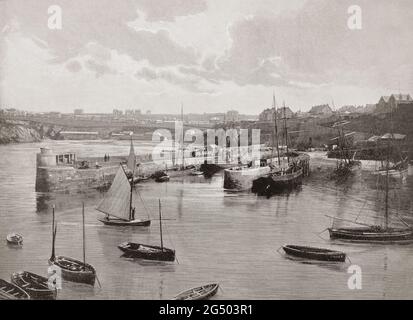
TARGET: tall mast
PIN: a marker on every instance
(286, 133)
(276, 128)
(84, 242)
(131, 193)
(160, 223)
(183, 136)
(52, 257)
(386, 212)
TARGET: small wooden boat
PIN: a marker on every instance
(199, 293)
(376, 234)
(148, 252)
(71, 269)
(314, 253)
(125, 223)
(74, 270)
(36, 286)
(162, 178)
(196, 173)
(9, 291)
(15, 239)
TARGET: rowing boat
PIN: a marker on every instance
(9, 291)
(36, 286)
(314, 253)
(15, 239)
(199, 293)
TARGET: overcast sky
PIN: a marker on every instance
(211, 55)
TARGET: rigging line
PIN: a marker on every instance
(143, 202)
(362, 208)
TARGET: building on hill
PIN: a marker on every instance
(232, 116)
(370, 108)
(393, 102)
(321, 110)
(347, 109)
(268, 114)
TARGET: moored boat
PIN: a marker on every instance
(241, 178)
(376, 234)
(164, 178)
(36, 286)
(196, 173)
(370, 233)
(198, 293)
(14, 239)
(125, 223)
(72, 269)
(9, 291)
(148, 252)
(314, 253)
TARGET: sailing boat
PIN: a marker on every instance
(346, 163)
(148, 252)
(241, 178)
(119, 202)
(376, 233)
(72, 269)
(287, 176)
(397, 167)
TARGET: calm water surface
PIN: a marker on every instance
(230, 238)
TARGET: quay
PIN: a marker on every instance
(67, 173)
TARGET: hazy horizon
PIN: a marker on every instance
(210, 55)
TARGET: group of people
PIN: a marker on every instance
(106, 158)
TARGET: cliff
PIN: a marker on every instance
(15, 131)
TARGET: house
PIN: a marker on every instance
(268, 114)
(390, 103)
(232, 116)
(370, 108)
(321, 110)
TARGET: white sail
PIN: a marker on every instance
(117, 200)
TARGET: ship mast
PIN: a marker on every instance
(182, 137)
(160, 223)
(286, 132)
(84, 243)
(276, 129)
(131, 184)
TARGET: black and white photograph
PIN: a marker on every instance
(211, 150)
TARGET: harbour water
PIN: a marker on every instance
(230, 238)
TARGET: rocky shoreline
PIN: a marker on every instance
(16, 131)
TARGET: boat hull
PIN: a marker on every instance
(74, 270)
(199, 293)
(315, 253)
(123, 223)
(371, 235)
(14, 239)
(242, 178)
(146, 252)
(275, 183)
(36, 286)
(9, 291)
(162, 179)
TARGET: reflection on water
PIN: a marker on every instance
(230, 238)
